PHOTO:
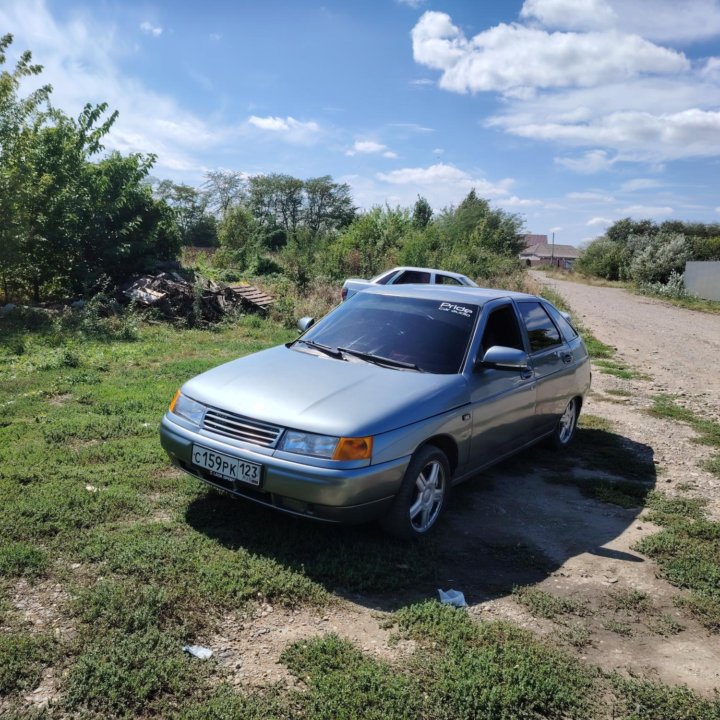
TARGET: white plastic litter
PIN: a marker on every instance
(452, 597)
(197, 651)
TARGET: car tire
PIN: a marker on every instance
(422, 495)
(565, 429)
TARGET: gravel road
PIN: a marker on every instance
(679, 349)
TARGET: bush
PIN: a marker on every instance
(673, 288)
(659, 258)
(604, 258)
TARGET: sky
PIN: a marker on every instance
(570, 113)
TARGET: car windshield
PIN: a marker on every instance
(429, 335)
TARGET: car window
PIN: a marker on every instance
(412, 276)
(383, 279)
(446, 280)
(540, 328)
(567, 330)
(431, 334)
(502, 329)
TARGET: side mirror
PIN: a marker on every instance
(305, 323)
(499, 357)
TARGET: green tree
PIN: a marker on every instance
(422, 212)
(604, 258)
(328, 205)
(18, 118)
(195, 225)
(474, 221)
(55, 203)
(129, 229)
(224, 189)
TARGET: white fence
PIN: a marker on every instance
(702, 279)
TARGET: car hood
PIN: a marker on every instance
(319, 394)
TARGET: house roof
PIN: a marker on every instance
(534, 239)
(544, 250)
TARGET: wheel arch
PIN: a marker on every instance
(448, 446)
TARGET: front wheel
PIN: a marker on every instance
(567, 424)
(422, 495)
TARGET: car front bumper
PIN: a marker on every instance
(347, 495)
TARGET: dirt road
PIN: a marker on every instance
(679, 349)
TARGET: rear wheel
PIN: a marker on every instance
(422, 495)
(565, 429)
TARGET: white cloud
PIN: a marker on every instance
(598, 221)
(584, 73)
(639, 184)
(660, 20)
(82, 61)
(639, 135)
(590, 162)
(422, 81)
(448, 175)
(370, 147)
(516, 202)
(591, 196)
(514, 59)
(570, 14)
(442, 184)
(413, 127)
(717, 209)
(646, 211)
(215, 37)
(149, 29)
(287, 129)
(412, 3)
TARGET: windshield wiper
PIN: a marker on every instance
(380, 360)
(332, 352)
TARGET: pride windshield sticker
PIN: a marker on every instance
(457, 309)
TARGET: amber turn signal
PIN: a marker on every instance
(174, 401)
(353, 448)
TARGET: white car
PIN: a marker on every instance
(407, 276)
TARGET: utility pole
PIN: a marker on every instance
(552, 250)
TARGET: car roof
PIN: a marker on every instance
(448, 293)
(403, 268)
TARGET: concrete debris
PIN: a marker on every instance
(203, 299)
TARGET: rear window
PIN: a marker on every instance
(446, 280)
(412, 276)
(567, 330)
(431, 334)
(541, 330)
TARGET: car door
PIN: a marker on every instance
(552, 362)
(502, 401)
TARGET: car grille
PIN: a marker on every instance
(241, 428)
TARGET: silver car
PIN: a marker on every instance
(384, 404)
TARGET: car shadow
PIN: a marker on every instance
(512, 525)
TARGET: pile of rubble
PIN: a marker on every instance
(175, 297)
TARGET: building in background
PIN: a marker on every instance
(544, 253)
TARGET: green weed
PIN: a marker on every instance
(22, 657)
(493, 670)
(22, 558)
(651, 701)
(545, 605)
(123, 674)
(687, 551)
(665, 406)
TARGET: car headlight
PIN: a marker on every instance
(327, 446)
(187, 408)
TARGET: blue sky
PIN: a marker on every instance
(572, 113)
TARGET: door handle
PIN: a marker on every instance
(526, 374)
(566, 357)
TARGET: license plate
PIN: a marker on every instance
(225, 466)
